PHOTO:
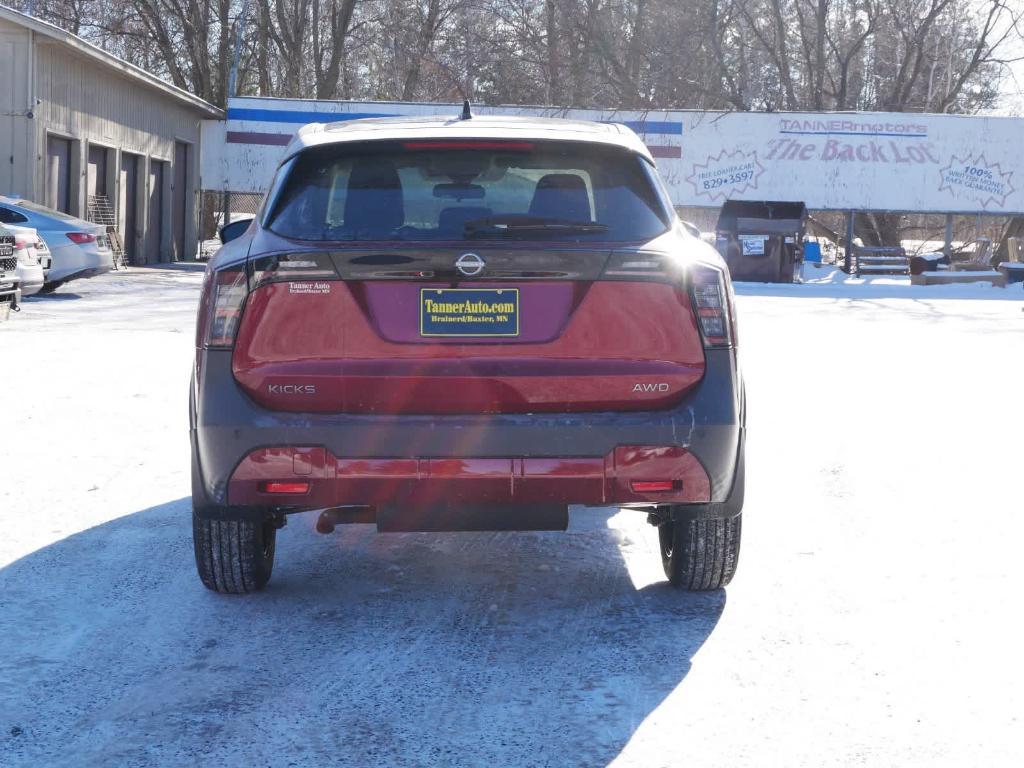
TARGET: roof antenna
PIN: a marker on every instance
(466, 114)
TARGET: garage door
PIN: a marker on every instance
(96, 172)
(179, 199)
(128, 205)
(155, 216)
(58, 173)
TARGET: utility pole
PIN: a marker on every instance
(848, 262)
(237, 53)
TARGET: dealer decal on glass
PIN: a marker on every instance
(469, 311)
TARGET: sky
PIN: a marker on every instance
(1013, 85)
(1014, 89)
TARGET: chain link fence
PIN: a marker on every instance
(220, 208)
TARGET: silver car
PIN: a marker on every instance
(78, 248)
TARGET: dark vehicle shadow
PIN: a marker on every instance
(181, 266)
(55, 296)
(405, 649)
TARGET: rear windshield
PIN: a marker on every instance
(36, 208)
(443, 190)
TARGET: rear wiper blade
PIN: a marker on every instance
(518, 223)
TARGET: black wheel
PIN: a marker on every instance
(700, 554)
(701, 551)
(49, 288)
(234, 556)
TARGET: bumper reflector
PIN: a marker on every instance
(288, 488)
(654, 486)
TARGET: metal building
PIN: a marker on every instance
(84, 132)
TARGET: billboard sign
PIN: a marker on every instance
(830, 161)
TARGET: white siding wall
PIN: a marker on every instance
(15, 127)
(82, 100)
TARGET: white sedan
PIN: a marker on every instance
(79, 248)
(33, 258)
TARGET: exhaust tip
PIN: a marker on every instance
(324, 523)
(335, 516)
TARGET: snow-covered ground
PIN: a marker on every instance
(874, 619)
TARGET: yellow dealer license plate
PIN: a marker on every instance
(469, 311)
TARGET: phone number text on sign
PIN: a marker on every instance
(733, 178)
(730, 173)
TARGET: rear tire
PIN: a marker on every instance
(700, 554)
(234, 557)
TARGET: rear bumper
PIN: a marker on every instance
(63, 277)
(578, 458)
(31, 288)
(315, 478)
(32, 279)
(73, 262)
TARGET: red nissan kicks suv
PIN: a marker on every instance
(465, 324)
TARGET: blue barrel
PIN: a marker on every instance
(812, 252)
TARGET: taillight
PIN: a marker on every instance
(21, 248)
(710, 290)
(291, 267)
(220, 309)
(712, 303)
(638, 265)
(81, 238)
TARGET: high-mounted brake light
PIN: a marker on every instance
(81, 238)
(501, 146)
(712, 303)
(220, 309)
